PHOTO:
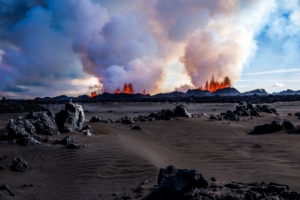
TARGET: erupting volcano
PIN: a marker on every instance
(128, 89)
(213, 85)
(93, 94)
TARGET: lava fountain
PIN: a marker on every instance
(93, 94)
(213, 85)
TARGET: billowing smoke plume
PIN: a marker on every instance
(62, 45)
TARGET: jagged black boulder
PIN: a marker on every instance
(174, 181)
(45, 124)
(95, 119)
(19, 128)
(19, 165)
(87, 130)
(66, 141)
(274, 126)
(180, 111)
(71, 118)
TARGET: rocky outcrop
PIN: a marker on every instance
(26, 141)
(69, 142)
(87, 130)
(95, 119)
(187, 184)
(19, 128)
(173, 181)
(71, 118)
(18, 165)
(180, 111)
(45, 124)
(274, 126)
(6, 188)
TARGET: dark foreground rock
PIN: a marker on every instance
(274, 126)
(173, 181)
(177, 184)
(87, 130)
(6, 188)
(71, 118)
(26, 141)
(95, 119)
(45, 124)
(69, 142)
(19, 128)
(18, 165)
(66, 141)
(180, 111)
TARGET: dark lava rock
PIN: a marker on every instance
(95, 119)
(180, 111)
(20, 128)
(87, 130)
(25, 141)
(177, 184)
(71, 118)
(45, 124)
(19, 165)
(66, 141)
(174, 181)
(290, 195)
(127, 120)
(274, 126)
(136, 128)
(6, 188)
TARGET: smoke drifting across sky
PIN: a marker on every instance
(51, 47)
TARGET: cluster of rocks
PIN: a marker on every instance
(274, 126)
(187, 184)
(244, 109)
(297, 114)
(19, 106)
(23, 131)
(169, 114)
(18, 165)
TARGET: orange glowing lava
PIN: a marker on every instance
(213, 85)
(118, 91)
(128, 89)
(93, 94)
(144, 93)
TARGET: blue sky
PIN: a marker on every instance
(276, 64)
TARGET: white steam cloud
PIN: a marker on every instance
(48, 43)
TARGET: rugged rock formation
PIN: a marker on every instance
(87, 130)
(18, 165)
(190, 185)
(45, 124)
(180, 111)
(95, 119)
(274, 126)
(71, 118)
(19, 128)
(173, 181)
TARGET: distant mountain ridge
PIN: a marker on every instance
(230, 91)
